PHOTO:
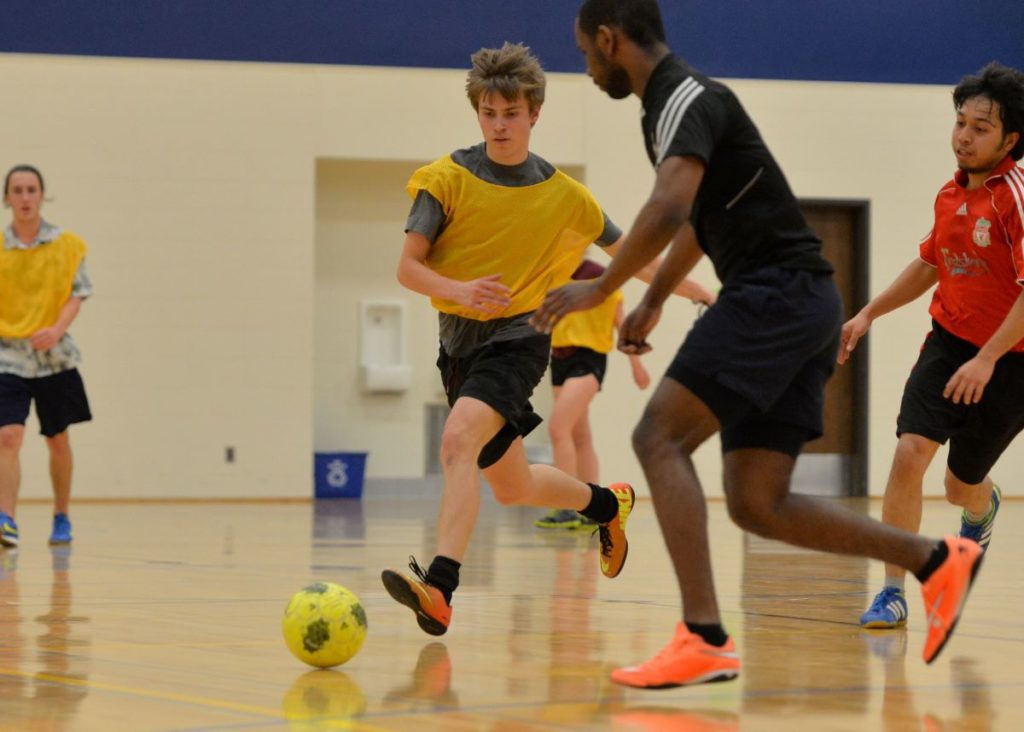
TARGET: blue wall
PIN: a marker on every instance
(917, 41)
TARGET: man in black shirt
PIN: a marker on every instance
(753, 367)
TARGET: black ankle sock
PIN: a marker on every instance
(444, 575)
(713, 635)
(603, 505)
(939, 554)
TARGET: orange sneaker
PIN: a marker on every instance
(614, 546)
(673, 719)
(946, 590)
(433, 612)
(686, 660)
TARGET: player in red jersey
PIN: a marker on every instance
(967, 386)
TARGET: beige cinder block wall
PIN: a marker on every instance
(197, 186)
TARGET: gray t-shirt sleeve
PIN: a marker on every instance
(426, 216)
(611, 233)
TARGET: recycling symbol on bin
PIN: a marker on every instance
(337, 474)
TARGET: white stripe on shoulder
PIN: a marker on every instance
(1015, 178)
(672, 115)
(688, 83)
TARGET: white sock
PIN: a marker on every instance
(897, 582)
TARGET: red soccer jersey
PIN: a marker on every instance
(977, 245)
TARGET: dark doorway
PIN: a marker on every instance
(836, 463)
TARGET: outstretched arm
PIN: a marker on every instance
(675, 272)
(486, 294)
(667, 209)
(681, 258)
(912, 282)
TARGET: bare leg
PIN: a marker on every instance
(11, 437)
(975, 498)
(571, 402)
(60, 471)
(901, 506)
(515, 482)
(587, 465)
(757, 491)
(674, 424)
(470, 425)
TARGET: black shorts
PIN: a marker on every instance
(977, 433)
(760, 356)
(502, 375)
(576, 361)
(60, 401)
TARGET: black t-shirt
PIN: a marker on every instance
(745, 215)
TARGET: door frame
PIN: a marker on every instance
(861, 210)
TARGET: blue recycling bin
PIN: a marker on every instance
(339, 474)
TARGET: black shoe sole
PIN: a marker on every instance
(398, 587)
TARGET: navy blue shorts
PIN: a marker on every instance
(503, 376)
(60, 401)
(977, 433)
(760, 356)
(576, 361)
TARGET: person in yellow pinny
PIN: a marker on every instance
(43, 281)
(492, 229)
(580, 345)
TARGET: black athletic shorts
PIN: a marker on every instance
(502, 375)
(977, 433)
(575, 361)
(760, 356)
(60, 400)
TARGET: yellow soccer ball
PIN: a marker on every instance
(324, 624)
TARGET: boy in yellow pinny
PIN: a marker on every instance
(492, 229)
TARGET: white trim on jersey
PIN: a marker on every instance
(672, 115)
(1015, 179)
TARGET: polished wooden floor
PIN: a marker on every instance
(167, 617)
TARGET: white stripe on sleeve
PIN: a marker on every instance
(672, 115)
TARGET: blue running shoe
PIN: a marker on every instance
(981, 533)
(889, 610)
(61, 533)
(8, 530)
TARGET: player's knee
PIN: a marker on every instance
(455, 443)
(913, 453)
(958, 492)
(507, 494)
(11, 437)
(647, 438)
(559, 433)
(749, 514)
(59, 445)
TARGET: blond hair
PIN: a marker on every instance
(511, 71)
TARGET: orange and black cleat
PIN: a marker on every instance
(433, 612)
